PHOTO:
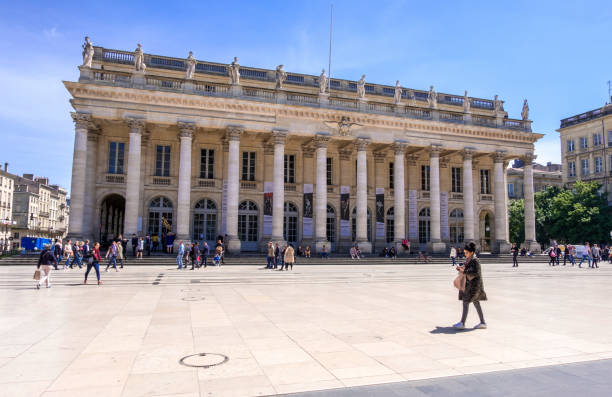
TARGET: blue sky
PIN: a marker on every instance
(556, 54)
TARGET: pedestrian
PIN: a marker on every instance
(300, 251)
(353, 252)
(111, 255)
(179, 256)
(586, 254)
(325, 255)
(148, 244)
(195, 253)
(205, 252)
(57, 252)
(289, 257)
(120, 256)
(595, 254)
(572, 255)
(93, 260)
(558, 254)
(46, 260)
(453, 256)
(141, 245)
(552, 254)
(67, 255)
(170, 243)
(515, 252)
(474, 287)
(78, 253)
(307, 252)
(277, 256)
(392, 253)
(134, 244)
(220, 249)
(270, 256)
(566, 254)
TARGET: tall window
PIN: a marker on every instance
(390, 225)
(424, 225)
(511, 190)
(330, 224)
(329, 171)
(585, 166)
(456, 226)
(570, 145)
(425, 177)
(485, 187)
(610, 138)
(290, 222)
(572, 168)
(162, 161)
(598, 165)
(289, 168)
(116, 151)
(207, 164)
(456, 180)
(205, 220)
(596, 139)
(248, 166)
(391, 176)
(584, 143)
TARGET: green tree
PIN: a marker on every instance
(544, 214)
(516, 222)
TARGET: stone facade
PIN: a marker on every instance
(543, 177)
(586, 148)
(232, 152)
(7, 189)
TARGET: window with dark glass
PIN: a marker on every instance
(456, 180)
(329, 171)
(391, 176)
(162, 161)
(485, 187)
(248, 166)
(289, 168)
(116, 152)
(425, 177)
(207, 164)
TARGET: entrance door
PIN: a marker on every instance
(205, 222)
(160, 218)
(248, 225)
(290, 224)
(112, 214)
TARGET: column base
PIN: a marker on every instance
(500, 247)
(436, 247)
(532, 246)
(318, 246)
(233, 245)
(365, 247)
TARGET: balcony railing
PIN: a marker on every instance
(425, 194)
(486, 197)
(115, 178)
(248, 185)
(206, 183)
(161, 181)
(583, 117)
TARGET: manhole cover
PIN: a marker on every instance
(193, 298)
(204, 360)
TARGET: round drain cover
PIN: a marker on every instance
(204, 360)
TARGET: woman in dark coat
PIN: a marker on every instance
(474, 288)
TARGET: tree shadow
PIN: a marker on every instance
(449, 330)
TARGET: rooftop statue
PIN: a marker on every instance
(281, 76)
(411, 97)
(361, 87)
(497, 105)
(139, 59)
(88, 53)
(191, 64)
(233, 71)
(525, 111)
(397, 95)
(322, 82)
(466, 103)
(432, 98)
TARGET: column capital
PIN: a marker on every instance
(234, 132)
(434, 150)
(499, 156)
(467, 153)
(280, 136)
(399, 147)
(362, 144)
(528, 158)
(136, 124)
(82, 120)
(321, 140)
(186, 129)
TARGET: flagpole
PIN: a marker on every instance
(331, 16)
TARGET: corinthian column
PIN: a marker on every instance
(501, 246)
(278, 196)
(468, 196)
(362, 196)
(321, 194)
(184, 180)
(132, 186)
(90, 223)
(435, 245)
(82, 122)
(530, 226)
(399, 193)
(233, 185)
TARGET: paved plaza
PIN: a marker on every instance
(316, 328)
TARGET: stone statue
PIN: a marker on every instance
(281, 76)
(191, 64)
(322, 82)
(412, 98)
(233, 71)
(432, 98)
(397, 95)
(361, 87)
(525, 111)
(466, 103)
(88, 53)
(139, 59)
(497, 105)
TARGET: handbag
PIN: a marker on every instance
(459, 282)
(36, 274)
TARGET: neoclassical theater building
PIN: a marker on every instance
(206, 149)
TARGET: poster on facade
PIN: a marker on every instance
(380, 212)
(307, 218)
(345, 214)
(413, 222)
(267, 212)
(444, 230)
(224, 207)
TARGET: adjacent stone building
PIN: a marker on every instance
(543, 177)
(207, 149)
(7, 188)
(586, 148)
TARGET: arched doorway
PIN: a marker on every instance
(248, 225)
(112, 215)
(205, 221)
(354, 225)
(330, 227)
(424, 227)
(290, 224)
(390, 223)
(160, 218)
(456, 226)
(487, 234)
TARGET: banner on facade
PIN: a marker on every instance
(308, 209)
(224, 208)
(267, 212)
(380, 212)
(444, 229)
(413, 222)
(345, 214)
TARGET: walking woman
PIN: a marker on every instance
(289, 257)
(474, 288)
(93, 261)
(46, 259)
